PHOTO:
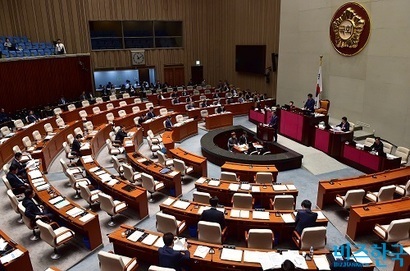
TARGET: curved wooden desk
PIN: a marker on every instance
(21, 263)
(156, 125)
(247, 172)
(186, 129)
(197, 162)
(149, 253)
(237, 226)
(261, 193)
(327, 190)
(172, 180)
(90, 229)
(214, 121)
(362, 218)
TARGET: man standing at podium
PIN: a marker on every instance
(274, 124)
(310, 103)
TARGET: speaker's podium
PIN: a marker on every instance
(330, 141)
(264, 132)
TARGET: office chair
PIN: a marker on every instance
(111, 207)
(54, 237)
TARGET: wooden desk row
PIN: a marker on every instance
(237, 226)
(148, 253)
(261, 193)
(21, 263)
(197, 162)
(90, 228)
(179, 133)
(327, 190)
(218, 120)
(247, 172)
(362, 218)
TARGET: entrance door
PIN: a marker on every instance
(174, 75)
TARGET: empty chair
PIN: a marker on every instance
(189, 88)
(98, 100)
(27, 222)
(137, 100)
(111, 207)
(259, 238)
(96, 110)
(122, 103)
(89, 126)
(85, 103)
(71, 107)
(204, 113)
(130, 175)
(179, 118)
(163, 111)
(110, 117)
(90, 196)
(180, 166)
(136, 121)
(228, 176)
(311, 237)
(74, 170)
(122, 113)
(153, 147)
(19, 124)
(201, 197)
(14, 204)
(125, 95)
(196, 92)
(118, 166)
(210, 232)
(135, 109)
(154, 139)
(70, 139)
(202, 97)
(385, 193)
(397, 230)
(114, 262)
(168, 223)
(352, 197)
(48, 128)
(149, 105)
(163, 160)
(78, 131)
(54, 237)
(403, 190)
(57, 111)
(5, 131)
(113, 97)
(109, 106)
(76, 182)
(369, 141)
(151, 185)
(283, 202)
(242, 200)
(264, 177)
(27, 144)
(60, 123)
(403, 153)
(387, 147)
(68, 153)
(83, 114)
(112, 150)
(36, 136)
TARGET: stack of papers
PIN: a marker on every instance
(35, 174)
(321, 262)
(141, 160)
(214, 183)
(362, 257)
(201, 180)
(181, 204)
(88, 158)
(159, 242)
(105, 177)
(86, 218)
(279, 187)
(260, 215)
(150, 239)
(180, 244)
(56, 199)
(295, 257)
(85, 146)
(173, 173)
(37, 184)
(234, 187)
(112, 182)
(256, 188)
(291, 187)
(250, 256)
(231, 254)
(135, 236)
(73, 212)
(11, 256)
(287, 218)
(168, 201)
(128, 143)
(201, 251)
(3, 244)
(240, 213)
(320, 215)
(43, 187)
(93, 169)
(245, 186)
(100, 172)
(62, 204)
(38, 180)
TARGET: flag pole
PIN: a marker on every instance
(319, 83)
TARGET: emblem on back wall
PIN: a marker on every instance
(350, 29)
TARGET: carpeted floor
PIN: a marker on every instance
(316, 166)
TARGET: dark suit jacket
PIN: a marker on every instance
(243, 140)
(213, 215)
(75, 148)
(14, 181)
(150, 115)
(310, 105)
(31, 118)
(32, 210)
(170, 258)
(345, 127)
(305, 218)
(378, 148)
(168, 124)
(274, 122)
(120, 135)
(21, 167)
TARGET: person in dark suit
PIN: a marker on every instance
(310, 103)
(4, 116)
(189, 99)
(62, 100)
(120, 135)
(83, 97)
(175, 100)
(203, 104)
(150, 113)
(220, 109)
(377, 145)
(213, 215)
(75, 148)
(168, 123)
(21, 167)
(274, 124)
(305, 217)
(31, 118)
(344, 125)
(243, 139)
(18, 184)
(33, 211)
(170, 258)
(232, 141)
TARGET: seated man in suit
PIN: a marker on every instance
(34, 211)
(18, 184)
(190, 105)
(168, 123)
(243, 139)
(310, 103)
(32, 118)
(220, 109)
(344, 125)
(76, 147)
(170, 258)
(189, 99)
(377, 145)
(203, 103)
(232, 141)
(21, 172)
(213, 215)
(120, 135)
(150, 113)
(305, 217)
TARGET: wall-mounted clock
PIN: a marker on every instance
(138, 57)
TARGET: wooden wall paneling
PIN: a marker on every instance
(6, 21)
